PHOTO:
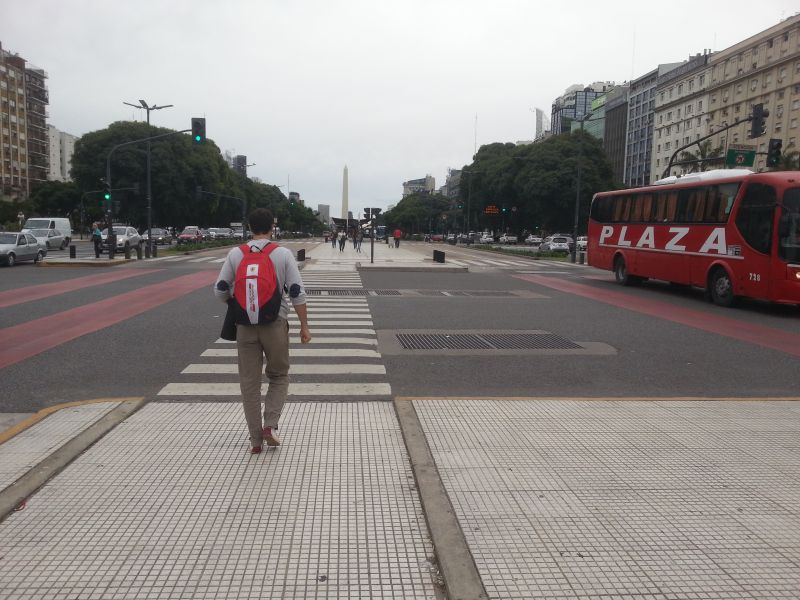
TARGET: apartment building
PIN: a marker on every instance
(24, 145)
(426, 184)
(62, 147)
(721, 89)
(681, 107)
(616, 127)
(575, 103)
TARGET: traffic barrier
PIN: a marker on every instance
(72, 251)
(438, 256)
(581, 257)
(139, 252)
(301, 255)
(127, 252)
(147, 251)
(155, 251)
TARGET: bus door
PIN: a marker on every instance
(755, 222)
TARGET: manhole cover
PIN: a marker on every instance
(433, 341)
(529, 341)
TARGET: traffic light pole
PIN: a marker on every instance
(110, 214)
(698, 140)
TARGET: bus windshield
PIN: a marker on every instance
(789, 227)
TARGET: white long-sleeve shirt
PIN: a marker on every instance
(286, 271)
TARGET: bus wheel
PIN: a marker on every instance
(721, 288)
(621, 273)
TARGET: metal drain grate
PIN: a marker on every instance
(429, 292)
(432, 341)
(529, 341)
(386, 292)
(488, 293)
(346, 292)
(485, 341)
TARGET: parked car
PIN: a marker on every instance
(582, 242)
(127, 238)
(508, 239)
(238, 233)
(49, 238)
(60, 223)
(16, 247)
(190, 235)
(533, 240)
(486, 239)
(556, 244)
(160, 236)
(220, 233)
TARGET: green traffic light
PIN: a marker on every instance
(197, 138)
(107, 196)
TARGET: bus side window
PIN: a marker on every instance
(754, 217)
(789, 234)
(646, 201)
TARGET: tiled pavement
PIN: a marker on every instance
(624, 499)
(171, 505)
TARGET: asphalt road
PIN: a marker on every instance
(662, 341)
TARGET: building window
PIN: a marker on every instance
(680, 89)
(669, 116)
(793, 124)
(713, 98)
(688, 109)
(700, 105)
(702, 80)
(738, 88)
(753, 84)
(667, 145)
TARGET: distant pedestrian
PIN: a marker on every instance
(97, 238)
(261, 269)
(342, 240)
(359, 239)
(334, 237)
(396, 235)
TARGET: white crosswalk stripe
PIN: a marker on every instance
(342, 360)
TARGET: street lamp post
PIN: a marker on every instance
(143, 105)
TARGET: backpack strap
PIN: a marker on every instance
(268, 249)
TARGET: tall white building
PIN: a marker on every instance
(62, 147)
(426, 184)
(324, 213)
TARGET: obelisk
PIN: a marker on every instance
(345, 202)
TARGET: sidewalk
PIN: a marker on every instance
(556, 498)
(410, 256)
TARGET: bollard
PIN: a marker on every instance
(155, 251)
(147, 251)
(72, 251)
(581, 258)
(301, 255)
(438, 256)
(138, 253)
(127, 252)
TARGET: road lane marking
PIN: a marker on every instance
(331, 352)
(766, 337)
(34, 337)
(295, 389)
(296, 369)
(48, 290)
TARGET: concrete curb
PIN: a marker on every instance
(415, 268)
(14, 496)
(456, 564)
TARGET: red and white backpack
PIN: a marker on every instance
(255, 287)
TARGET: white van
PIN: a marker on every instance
(60, 223)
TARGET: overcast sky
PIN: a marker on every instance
(391, 89)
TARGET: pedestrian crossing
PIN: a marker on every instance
(505, 263)
(342, 362)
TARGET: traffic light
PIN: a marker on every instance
(757, 126)
(198, 130)
(106, 189)
(504, 209)
(368, 213)
(774, 152)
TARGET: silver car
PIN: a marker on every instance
(50, 238)
(127, 237)
(15, 247)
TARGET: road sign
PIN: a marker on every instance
(491, 210)
(740, 158)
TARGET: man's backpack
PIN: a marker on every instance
(255, 287)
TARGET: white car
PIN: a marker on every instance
(127, 238)
(533, 240)
(558, 244)
(508, 239)
(582, 243)
(49, 238)
(487, 239)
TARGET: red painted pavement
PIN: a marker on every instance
(28, 339)
(768, 337)
(48, 290)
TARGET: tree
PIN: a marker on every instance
(789, 161)
(539, 180)
(179, 167)
(705, 156)
(417, 213)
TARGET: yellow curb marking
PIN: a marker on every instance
(608, 398)
(45, 412)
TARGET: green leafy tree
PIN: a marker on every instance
(539, 180)
(789, 161)
(418, 213)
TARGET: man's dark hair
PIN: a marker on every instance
(260, 221)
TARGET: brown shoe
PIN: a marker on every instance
(271, 437)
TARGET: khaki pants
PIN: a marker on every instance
(254, 342)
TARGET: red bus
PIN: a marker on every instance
(732, 232)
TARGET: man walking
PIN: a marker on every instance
(255, 340)
(396, 235)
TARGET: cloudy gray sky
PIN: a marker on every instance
(389, 88)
